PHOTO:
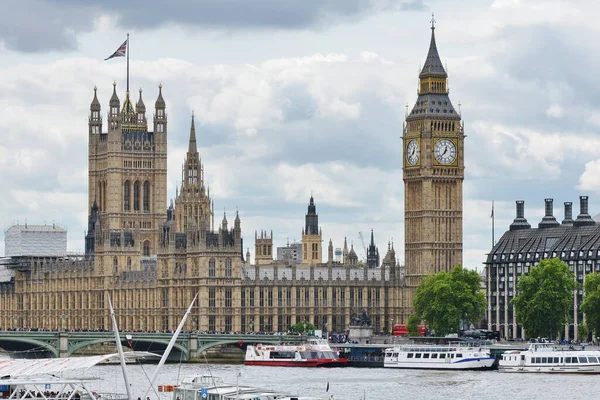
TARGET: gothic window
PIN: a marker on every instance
(228, 268)
(211, 267)
(115, 264)
(211, 298)
(146, 248)
(114, 110)
(227, 298)
(126, 196)
(128, 263)
(136, 196)
(146, 196)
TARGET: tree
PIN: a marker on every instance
(545, 296)
(443, 299)
(413, 325)
(302, 327)
(591, 304)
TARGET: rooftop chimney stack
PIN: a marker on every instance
(584, 218)
(520, 222)
(568, 213)
(549, 221)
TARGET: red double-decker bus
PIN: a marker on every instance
(402, 330)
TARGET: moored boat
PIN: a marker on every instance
(208, 387)
(543, 358)
(314, 353)
(453, 356)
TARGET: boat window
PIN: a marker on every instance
(434, 355)
(556, 360)
(410, 355)
(560, 360)
(459, 355)
(593, 359)
(452, 355)
(417, 355)
(426, 355)
(583, 360)
(568, 360)
(544, 360)
(442, 355)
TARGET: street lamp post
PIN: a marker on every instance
(391, 325)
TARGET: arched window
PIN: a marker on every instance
(211, 267)
(136, 196)
(146, 196)
(228, 268)
(115, 264)
(126, 195)
(146, 248)
(128, 263)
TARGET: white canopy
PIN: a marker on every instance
(12, 367)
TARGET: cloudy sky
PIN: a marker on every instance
(299, 97)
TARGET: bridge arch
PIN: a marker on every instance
(26, 343)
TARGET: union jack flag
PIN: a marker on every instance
(121, 51)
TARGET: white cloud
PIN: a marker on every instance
(555, 111)
(590, 178)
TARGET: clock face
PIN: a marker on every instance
(445, 151)
(412, 152)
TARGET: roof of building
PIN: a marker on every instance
(35, 228)
(564, 241)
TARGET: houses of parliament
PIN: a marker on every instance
(151, 257)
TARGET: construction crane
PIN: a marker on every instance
(362, 241)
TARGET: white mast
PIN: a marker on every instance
(170, 346)
(120, 349)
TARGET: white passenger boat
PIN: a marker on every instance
(542, 357)
(314, 352)
(454, 356)
(208, 387)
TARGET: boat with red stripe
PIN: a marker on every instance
(314, 353)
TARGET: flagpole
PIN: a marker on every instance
(127, 62)
(493, 218)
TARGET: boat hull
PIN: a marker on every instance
(303, 363)
(558, 369)
(467, 365)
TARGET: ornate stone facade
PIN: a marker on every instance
(152, 263)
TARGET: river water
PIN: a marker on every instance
(360, 383)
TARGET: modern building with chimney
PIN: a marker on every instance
(574, 241)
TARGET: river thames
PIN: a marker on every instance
(360, 383)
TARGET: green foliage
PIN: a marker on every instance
(582, 332)
(413, 325)
(443, 299)
(591, 303)
(302, 327)
(545, 296)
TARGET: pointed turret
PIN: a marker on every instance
(140, 107)
(330, 252)
(372, 253)
(192, 148)
(95, 121)
(95, 106)
(248, 255)
(224, 222)
(114, 99)
(160, 102)
(433, 65)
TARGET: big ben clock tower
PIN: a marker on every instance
(433, 174)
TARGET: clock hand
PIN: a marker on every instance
(445, 150)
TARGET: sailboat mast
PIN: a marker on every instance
(120, 349)
(170, 346)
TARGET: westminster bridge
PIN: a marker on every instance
(38, 344)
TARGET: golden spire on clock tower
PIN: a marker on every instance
(433, 173)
